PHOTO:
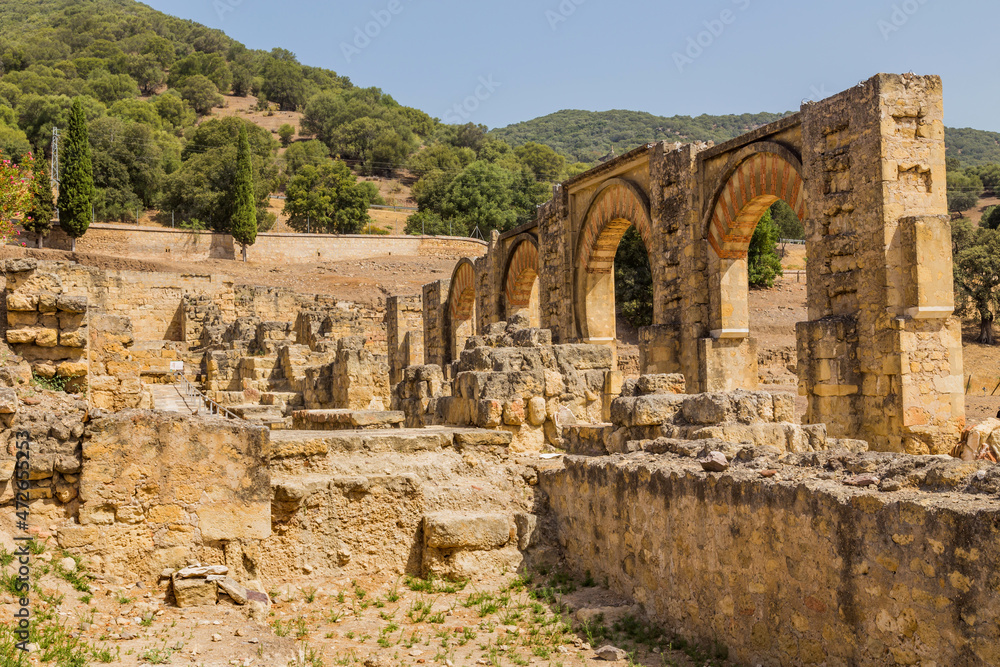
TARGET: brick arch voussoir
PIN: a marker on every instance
(462, 293)
(521, 272)
(755, 177)
(617, 205)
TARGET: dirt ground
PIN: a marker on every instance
(541, 617)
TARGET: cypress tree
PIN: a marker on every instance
(244, 225)
(39, 217)
(76, 187)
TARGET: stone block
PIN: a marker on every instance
(655, 409)
(21, 319)
(489, 413)
(77, 338)
(46, 337)
(72, 304)
(8, 401)
(194, 592)
(71, 369)
(706, 408)
(536, 411)
(514, 412)
(47, 302)
(662, 383)
(22, 302)
(21, 336)
(483, 438)
(452, 530)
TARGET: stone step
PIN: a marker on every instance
(258, 413)
(335, 420)
(171, 398)
(296, 443)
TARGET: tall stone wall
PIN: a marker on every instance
(793, 569)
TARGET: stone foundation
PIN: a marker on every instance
(785, 562)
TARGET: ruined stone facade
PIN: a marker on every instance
(880, 357)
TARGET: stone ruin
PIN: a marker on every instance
(490, 425)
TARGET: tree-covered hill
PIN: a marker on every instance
(972, 147)
(586, 136)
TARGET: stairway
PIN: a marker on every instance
(171, 398)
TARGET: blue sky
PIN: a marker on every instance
(528, 58)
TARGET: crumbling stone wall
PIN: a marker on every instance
(360, 379)
(55, 430)
(46, 323)
(513, 378)
(828, 558)
(114, 381)
(157, 489)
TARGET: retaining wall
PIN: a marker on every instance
(801, 571)
(161, 243)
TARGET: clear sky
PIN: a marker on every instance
(505, 61)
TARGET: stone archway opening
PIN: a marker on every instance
(461, 308)
(521, 295)
(616, 207)
(768, 174)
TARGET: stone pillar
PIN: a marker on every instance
(880, 358)
(435, 302)
(404, 331)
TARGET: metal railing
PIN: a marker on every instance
(191, 391)
(793, 241)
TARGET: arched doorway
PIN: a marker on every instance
(521, 282)
(757, 177)
(461, 307)
(615, 207)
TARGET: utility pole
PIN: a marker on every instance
(54, 167)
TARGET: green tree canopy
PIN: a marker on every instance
(545, 163)
(76, 188)
(633, 280)
(963, 191)
(977, 274)
(763, 263)
(38, 219)
(244, 223)
(328, 199)
(201, 94)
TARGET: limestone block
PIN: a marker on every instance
(483, 438)
(8, 401)
(21, 319)
(514, 412)
(706, 408)
(72, 304)
(47, 302)
(76, 320)
(656, 409)
(784, 407)
(489, 413)
(536, 411)
(22, 302)
(71, 369)
(663, 383)
(452, 530)
(195, 592)
(77, 338)
(21, 336)
(47, 337)
(233, 589)
(43, 369)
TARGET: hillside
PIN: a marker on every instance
(972, 147)
(586, 136)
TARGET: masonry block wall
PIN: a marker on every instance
(879, 358)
